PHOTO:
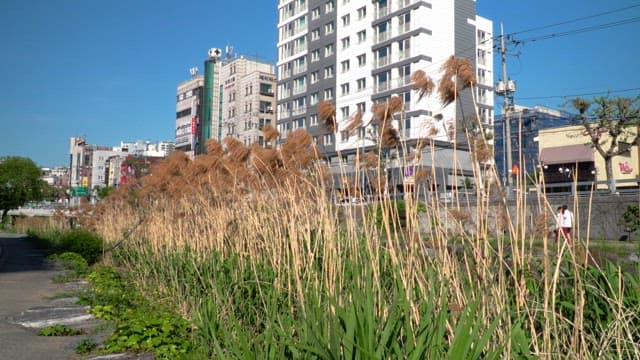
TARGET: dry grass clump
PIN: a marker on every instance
(298, 151)
(458, 75)
(480, 149)
(327, 113)
(422, 83)
(382, 116)
(355, 123)
(270, 133)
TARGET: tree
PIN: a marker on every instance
(19, 182)
(618, 118)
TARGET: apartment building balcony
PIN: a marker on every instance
(299, 69)
(284, 94)
(392, 84)
(382, 11)
(298, 111)
(299, 90)
(403, 81)
(290, 13)
(389, 34)
(383, 36)
(404, 54)
(390, 8)
(384, 61)
(383, 86)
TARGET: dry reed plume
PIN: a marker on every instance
(422, 83)
(458, 74)
(327, 113)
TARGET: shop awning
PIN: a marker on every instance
(567, 154)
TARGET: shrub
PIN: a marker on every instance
(72, 261)
(85, 243)
(85, 346)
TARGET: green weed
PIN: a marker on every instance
(59, 330)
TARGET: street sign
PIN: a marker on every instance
(79, 191)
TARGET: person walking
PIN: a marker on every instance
(558, 225)
(567, 223)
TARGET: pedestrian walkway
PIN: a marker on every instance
(26, 282)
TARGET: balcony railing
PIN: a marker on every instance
(299, 69)
(299, 90)
(380, 62)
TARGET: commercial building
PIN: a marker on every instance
(235, 97)
(567, 158)
(188, 112)
(525, 125)
(248, 99)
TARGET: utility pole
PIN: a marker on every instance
(506, 88)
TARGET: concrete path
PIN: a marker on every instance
(25, 283)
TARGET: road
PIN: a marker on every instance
(25, 282)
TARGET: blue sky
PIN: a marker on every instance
(108, 70)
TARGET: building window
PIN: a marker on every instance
(346, 20)
(313, 99)
(328, 72)
(344, 88)
(328, 94)
(362, 12)
(328, 28)
(315, 34)
(344, 66)
(313, 120)
(346, 42)
(314, 77)
(329, 6)
(362, 36)
(315, 13)
(328, 50)
(315, 55)
(344, 111)
(362, 83)
(361, 106)
(362, 60)
(328, 139)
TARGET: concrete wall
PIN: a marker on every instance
(598, 218)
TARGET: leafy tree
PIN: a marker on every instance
(19, 182)
(616, 117)
(103, 192)
(632, 217)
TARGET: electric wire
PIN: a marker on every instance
(573, 20)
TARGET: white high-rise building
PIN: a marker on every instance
(355, 53)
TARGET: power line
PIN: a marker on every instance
(573, 20)
(583, 94)
(578, 31)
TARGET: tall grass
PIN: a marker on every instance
(250, 245)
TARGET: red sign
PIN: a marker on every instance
(194, 125)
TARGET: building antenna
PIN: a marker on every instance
(228, 51)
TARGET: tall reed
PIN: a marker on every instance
(252, 247)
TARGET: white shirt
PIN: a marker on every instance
(567, 219)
